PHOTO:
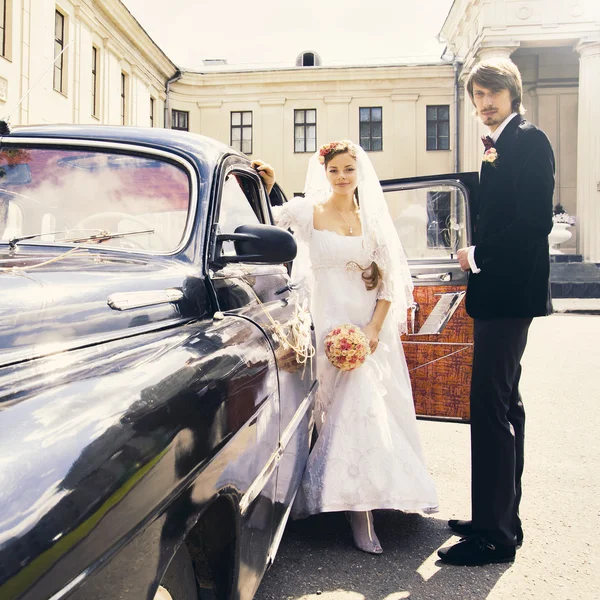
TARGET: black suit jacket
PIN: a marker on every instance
(511, 223)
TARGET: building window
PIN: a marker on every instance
(59, 44)
(124, 82)
(3, 26)
(308, 59)
(241, 131)
(94, 81)
(151, 111)
(305, 130)
(438, 127)
(371, 128)
(180, 119)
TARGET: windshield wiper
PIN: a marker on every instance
(100, 237)
(105, 235)
(12, 243)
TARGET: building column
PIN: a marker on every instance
(338, 117)
(472, 127)
(405, 135)
(588, 152)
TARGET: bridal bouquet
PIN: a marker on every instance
(346, 347)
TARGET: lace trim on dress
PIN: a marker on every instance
(297, 215)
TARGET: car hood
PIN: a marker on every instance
(55, 300)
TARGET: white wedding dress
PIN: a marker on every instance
(368, 454)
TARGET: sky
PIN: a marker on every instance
(272, 33)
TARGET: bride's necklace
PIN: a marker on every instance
(355, 212)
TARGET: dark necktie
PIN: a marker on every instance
(488, 142)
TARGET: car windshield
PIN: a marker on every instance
(61, 195)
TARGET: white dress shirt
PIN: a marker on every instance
(494, 136)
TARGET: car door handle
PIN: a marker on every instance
(434, 277)
(287, 288)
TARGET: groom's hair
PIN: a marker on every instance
(498, 74)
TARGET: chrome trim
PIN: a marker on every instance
(279, 533)
(128, 300)
(259, 483)
(289, 431)
(445, 277)
(254, 175)
(287, 436)
(127, 147)
(71, 585)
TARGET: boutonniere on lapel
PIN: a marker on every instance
(491, 154)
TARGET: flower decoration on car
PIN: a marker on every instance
(560, 215)
(346, 347)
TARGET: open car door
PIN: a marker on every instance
(431, 215)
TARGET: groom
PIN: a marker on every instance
(508, 286)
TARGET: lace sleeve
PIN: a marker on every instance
(385, 291)
(297, 215)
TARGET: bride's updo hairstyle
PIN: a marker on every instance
(371, 275)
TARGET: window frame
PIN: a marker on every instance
(59, 56)
(370, 122)
(437, 122)
(175, 112)
(131, 150)
(3, 28)
(95, 95)
(124, 97)
(241, 127)
(305, 125)
(152, 110)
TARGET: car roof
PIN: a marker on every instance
(146, 136)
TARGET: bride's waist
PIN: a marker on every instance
(348, 267)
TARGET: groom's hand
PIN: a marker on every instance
(463, 259)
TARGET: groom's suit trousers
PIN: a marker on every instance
(497, 426)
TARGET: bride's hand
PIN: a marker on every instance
(372, 333)
(266, 172)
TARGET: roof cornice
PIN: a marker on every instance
(120, 17)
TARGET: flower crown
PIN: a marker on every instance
(331, 147)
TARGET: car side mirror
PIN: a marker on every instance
(262, 244)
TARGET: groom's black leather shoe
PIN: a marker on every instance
(476, 550)
(465, 528)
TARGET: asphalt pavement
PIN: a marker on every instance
(560, 558)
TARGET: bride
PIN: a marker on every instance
(368, 454)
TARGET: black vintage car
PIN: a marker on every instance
(154, 424)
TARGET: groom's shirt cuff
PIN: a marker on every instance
(471, 258)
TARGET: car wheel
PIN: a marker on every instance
(179, 582)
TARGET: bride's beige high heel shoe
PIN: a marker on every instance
(363, 532)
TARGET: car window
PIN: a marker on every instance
(239, 206)
(67, 194)
(431, 221)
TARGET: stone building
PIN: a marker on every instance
(413, 118)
